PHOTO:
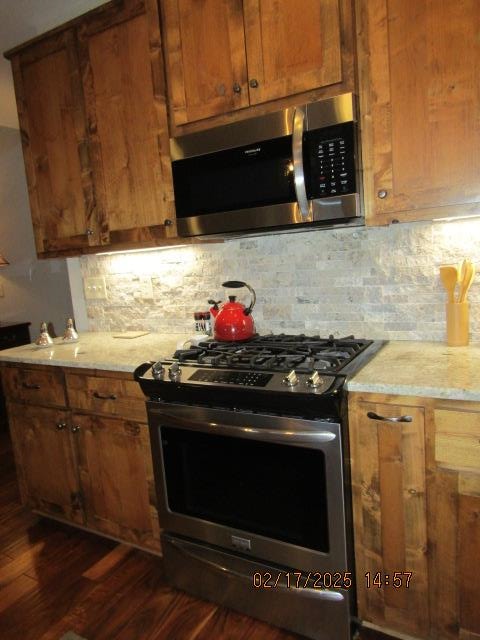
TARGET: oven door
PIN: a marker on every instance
(266, 486)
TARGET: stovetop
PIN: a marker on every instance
(286, 374)
(282, 352)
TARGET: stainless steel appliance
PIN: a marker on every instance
(249, 443)
(293, 169)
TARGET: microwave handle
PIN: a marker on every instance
(298, 170)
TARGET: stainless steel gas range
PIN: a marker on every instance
(250, 450)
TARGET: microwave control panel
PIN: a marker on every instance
(329, 161)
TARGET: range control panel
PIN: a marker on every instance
(244, 378)
(330, 161)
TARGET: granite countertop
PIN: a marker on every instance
(427, 369)
(98, 350)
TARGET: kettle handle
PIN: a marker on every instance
(237, 284)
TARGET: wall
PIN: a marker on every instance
(376, 283)
(34, 290)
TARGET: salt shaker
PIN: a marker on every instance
(44, 339)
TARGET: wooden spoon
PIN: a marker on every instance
(449, 277)
(467, 279)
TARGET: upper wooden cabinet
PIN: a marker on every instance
(54, 139)
(224, 56)
(205, 57)
(93, 120)
(292, 46)
(122, 71)
(418, 64)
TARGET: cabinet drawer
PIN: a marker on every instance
(457, 438)
(34, 387)
(108, 396)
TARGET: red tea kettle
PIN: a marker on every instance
(234, 321)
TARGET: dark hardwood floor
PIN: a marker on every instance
(55, 578)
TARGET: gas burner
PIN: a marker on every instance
(282, 352)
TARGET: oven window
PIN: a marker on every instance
(256, 175)
(274, 490)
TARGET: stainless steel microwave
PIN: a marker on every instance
(289, 170)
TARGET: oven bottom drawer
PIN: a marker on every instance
(228, 579)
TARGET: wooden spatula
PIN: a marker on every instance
(449, 277)
(468, 274)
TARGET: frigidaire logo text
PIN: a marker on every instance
(256, 150)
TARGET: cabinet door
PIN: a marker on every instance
(454, 522)
(46, 461)
(116, 476)
(418, 65)
(292, 46)
(205, 58)
(122, 71)
(388, 476)
(53, 130)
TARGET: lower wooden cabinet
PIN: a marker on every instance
(116, 477)
(416, 494)
(454, 520)
(78, 465)
(388, 475)
(46, 460)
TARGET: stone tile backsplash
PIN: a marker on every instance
(378, 282)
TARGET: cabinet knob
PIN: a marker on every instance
(61, 426)
(375, 416)
(89, 232)
(382, 194)
(254, 83)
(74, 428)
(168, 222)
(237, 88)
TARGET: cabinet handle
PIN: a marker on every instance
(112, 396)
(237, 88)
(375, 416)
(89, 232)
(75, 428)
(382, 194)
(168, 222)
(27, 385)
(254, 83)
(61, 426)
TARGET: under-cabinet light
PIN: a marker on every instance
(120, 251)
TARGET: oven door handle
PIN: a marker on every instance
(266, 435)
(320, 594)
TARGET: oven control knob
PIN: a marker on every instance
(314, 380)
(290, 379)
(174, 372)
(158, 370)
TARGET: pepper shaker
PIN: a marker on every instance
(70, 334)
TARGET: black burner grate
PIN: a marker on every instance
(281, 352)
